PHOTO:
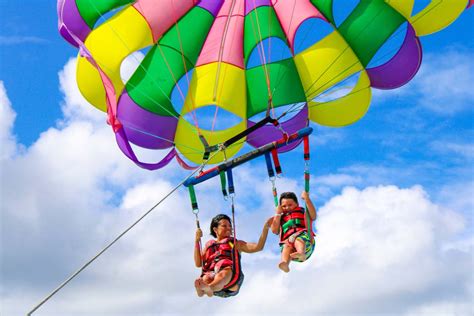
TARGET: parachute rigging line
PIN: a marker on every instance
(221, 48)
(145, 70)
(261, 52)
(186, 72)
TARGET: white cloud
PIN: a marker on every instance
(382, 250)
(459, 149)
(378, 251)
(7, 118)
(445, 82)
(18, 40)
(75, 106)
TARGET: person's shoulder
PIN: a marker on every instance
(241, 242)
(209, 243)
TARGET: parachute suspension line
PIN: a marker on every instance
(305, 35)
(278, 77)
(135, 128)
(214, 120)
(219, 62)
(306, 156)
(347, 47)
(328, 67)
(292, 109)
(271, 177)
(117, 238)
(221, 49)
(427, 11)
(190, 92)
(195, 207)
(231, 189)
(296, 108)
(176, 84)
(165, 109)
(263, 60)
(306, 163)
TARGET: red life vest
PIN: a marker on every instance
(217, 251)
(292, 222)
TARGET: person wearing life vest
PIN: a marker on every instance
(219, 265)
(296, 240)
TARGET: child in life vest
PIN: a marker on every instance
(296, 240)
(216, 257)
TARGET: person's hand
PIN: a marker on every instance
(198, 234)
(279, 210)
(305, 196)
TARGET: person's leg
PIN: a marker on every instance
(220, 280)
(199, 283)
(300, 248)
(284, 264)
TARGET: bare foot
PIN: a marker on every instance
(205, 288)
(298, 256)
(197, 285)
(284, 266)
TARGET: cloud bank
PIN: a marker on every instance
(380, 249)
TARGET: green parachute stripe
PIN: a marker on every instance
(92, 10)
(268, 26)
(285, 85)
(152, 83)
(369, 26)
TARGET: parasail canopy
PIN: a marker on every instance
(206, 70)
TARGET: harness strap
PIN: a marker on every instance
(268, 161)
(236, 269)
(276, 161)
(223, 184)
(308, 221)
(249, 130)
(231, 188)
(192, 195)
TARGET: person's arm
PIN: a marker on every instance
(275, 226)
(251, 247)
(309, 205)
(197, 248)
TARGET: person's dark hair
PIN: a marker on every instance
(215, 222)
(289, 195)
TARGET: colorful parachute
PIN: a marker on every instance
(203, 52)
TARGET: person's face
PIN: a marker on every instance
(223, 229)
(288, 205)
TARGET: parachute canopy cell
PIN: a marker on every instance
(207, 69)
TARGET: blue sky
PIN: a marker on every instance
(394, 193)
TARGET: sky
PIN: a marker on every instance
(394, 194)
